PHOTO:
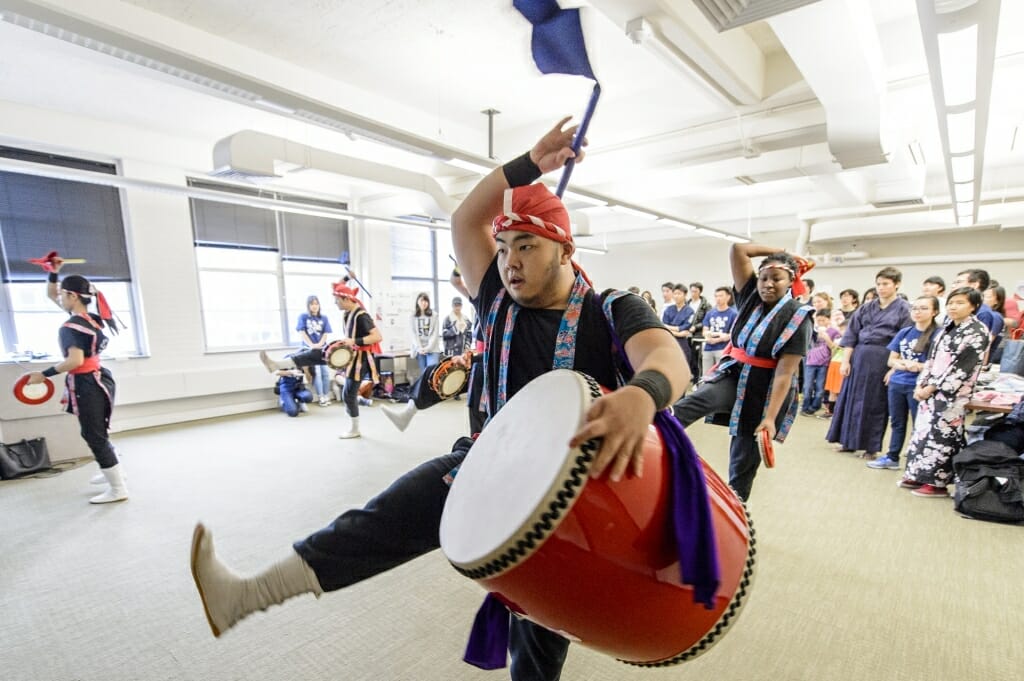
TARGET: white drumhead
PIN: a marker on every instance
(453, 381)
(35, 391)
(517, 465)
(340, 357)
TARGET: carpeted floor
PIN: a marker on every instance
(856, 579)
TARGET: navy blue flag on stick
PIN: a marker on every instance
(558, 47)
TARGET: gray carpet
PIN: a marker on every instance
(856, 579)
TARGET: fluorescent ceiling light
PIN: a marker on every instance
(677, 224)
(961, 131)
(635, 212)
(736, 239)
(963, 192)
(963, 168)
(958, 59)
(588, 249)
(477, 168)
(708, 232)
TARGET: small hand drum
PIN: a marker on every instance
(764, 445)
(338, 356)
(33, 394)
(449, 379)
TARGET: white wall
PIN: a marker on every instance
(177, 380)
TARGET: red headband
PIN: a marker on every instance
(536, 210)
(343, 291)
(803, 266)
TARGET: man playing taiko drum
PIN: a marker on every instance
(519, 270)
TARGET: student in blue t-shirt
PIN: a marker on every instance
(908, 351)
(313, 328)
(717, 324)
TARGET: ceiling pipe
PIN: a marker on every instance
(819, 216)
(959, 258)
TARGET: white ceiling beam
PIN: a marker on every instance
(835, 45)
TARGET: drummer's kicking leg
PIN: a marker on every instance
(301, 360)
(709, 398)
(537, 653)
(396, 526)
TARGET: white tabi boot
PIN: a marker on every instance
(100, 479)
(353, 431)
(272, 366)
(401, 416)
(117, 490)
(229, 597)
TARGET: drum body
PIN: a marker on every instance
(338, 356)
(591, 559)
(448, 379)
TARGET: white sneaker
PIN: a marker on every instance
(117, 490)
(303, 407)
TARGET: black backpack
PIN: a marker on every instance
(988, 482)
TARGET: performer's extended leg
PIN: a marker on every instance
(709, 398)
(396, 526)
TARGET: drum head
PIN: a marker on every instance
(453, 381)
(338, 356)
(519, 467)
(33, 394)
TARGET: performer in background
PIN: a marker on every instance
(545, 316)
(89, 392)
(362, 335)
(752, 387)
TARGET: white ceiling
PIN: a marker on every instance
(424, 70)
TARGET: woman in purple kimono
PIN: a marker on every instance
(862, 409)
(943, 390)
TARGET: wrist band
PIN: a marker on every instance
(655, 384)
(52, 278)
(359, 341)
(50, 372)
(521, 171)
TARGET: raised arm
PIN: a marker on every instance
(471, 223)
(52, 287)
(740, 261)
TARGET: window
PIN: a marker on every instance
(257, 267)
(76, 219)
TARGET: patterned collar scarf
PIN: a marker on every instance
(565, 342)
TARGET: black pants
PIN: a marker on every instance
(400, 524)
(351, 392)
(88, 399)
(718, 398)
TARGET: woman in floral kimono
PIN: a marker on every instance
(943, 389)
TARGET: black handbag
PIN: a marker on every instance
(23, 458)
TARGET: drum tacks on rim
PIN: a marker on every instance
(766, 448)
(448, 379)
(591, 559)
(338, 356)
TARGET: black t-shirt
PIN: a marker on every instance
(748, 300)
(533, 339)
(73, 338)
(363, 324)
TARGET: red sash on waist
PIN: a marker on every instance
(742, 357)
(90, 365)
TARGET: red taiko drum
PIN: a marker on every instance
(591, 559)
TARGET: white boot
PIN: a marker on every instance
(99, 478)
(353, 431)
(117, 490)
(272, 366)
(229, 597)
(401, 416)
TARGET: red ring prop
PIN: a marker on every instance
(21, 386)
(591, 559)
(767, 449)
